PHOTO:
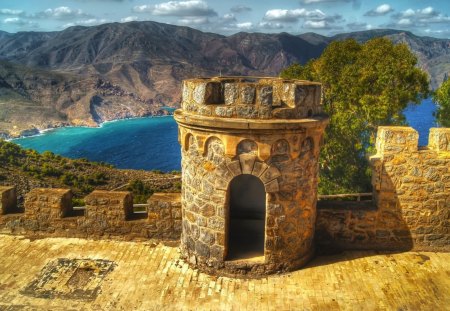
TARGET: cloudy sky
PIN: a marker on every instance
(326, 17)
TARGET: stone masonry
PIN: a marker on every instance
(268, 128)
(411, 186)
(108, 214)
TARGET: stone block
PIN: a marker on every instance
(100, 206)
(199, 93)
(259, 168)
(8, 199)
(246, 112)
(235, 167)
(439, 139)
(226, 112)
(247, 94)
(270, 174)
(395, 139)
(272, 186)
(49, 204)
(265, 94)
(247, 162)
(230, 93)
(300, 94)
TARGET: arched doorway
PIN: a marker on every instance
(246, 218)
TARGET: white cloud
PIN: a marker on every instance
(418, 18)
(177, 8)
(229, 17)
(11, 12)
(405, 22)
(194, 21)
(86, 22)
(316, 24)
(129, 19)
(245, 26)
(62, 13)
(292, 16)
(20, 22)
(380, 10)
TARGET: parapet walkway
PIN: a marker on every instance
(76, 274)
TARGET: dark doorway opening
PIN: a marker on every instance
(246, 222)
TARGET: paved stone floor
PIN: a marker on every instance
(76, 274)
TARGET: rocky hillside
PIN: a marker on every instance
(27, 169)
(86, 75)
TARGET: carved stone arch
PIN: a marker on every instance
(247, 146)
(190, 142)
(187, 141)
(214, 150)
(248, 164)
(308, 146)
(281, 146)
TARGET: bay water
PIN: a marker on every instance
(152, 143)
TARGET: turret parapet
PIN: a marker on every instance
(251, 98)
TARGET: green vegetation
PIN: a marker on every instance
(364, 86)
(140, 191)
(442, 98)
(29, 169)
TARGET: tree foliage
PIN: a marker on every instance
(364, 86)
(442, 98)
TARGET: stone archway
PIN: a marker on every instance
(246, 217)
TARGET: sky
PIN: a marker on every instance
(326, 17)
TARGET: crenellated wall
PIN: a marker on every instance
(107, 214)
(411, 208)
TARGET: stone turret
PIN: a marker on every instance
(250, 149)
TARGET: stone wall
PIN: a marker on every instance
(411, 208)
(108, 214)
(164, 215)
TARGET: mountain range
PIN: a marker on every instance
(88, 75)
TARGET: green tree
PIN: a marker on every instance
(364, 86)
(442, 98)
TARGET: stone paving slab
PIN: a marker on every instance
(150, 276)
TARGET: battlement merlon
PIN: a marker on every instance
(398, 139)
(252, 98)
(439, 139)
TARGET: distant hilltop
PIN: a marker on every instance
(88, 75)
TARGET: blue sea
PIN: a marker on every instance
(152, 143)
(144, 143)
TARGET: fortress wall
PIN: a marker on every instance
(164, 215)
(108, 214)
(411, 208)
(411, 198)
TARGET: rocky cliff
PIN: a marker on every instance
(86, 75)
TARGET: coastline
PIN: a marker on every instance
(41, 132)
